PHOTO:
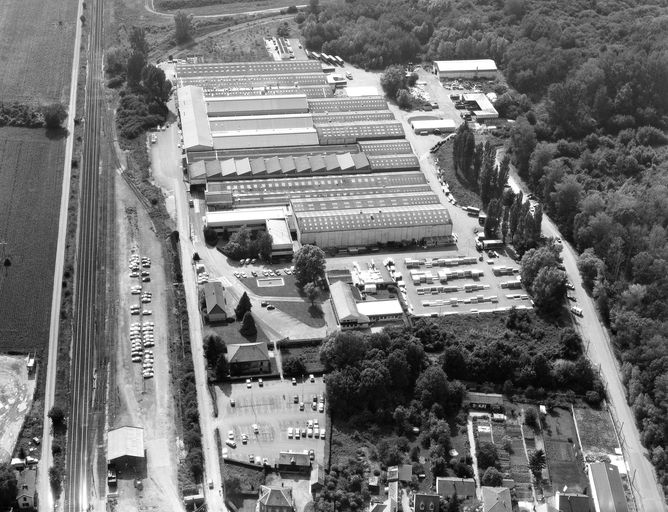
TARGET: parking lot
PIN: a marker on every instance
(272, 408)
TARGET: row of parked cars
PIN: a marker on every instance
(311, 429)
(141, 333)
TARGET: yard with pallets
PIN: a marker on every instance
(36, 47)
(562, 450)
(30, 183)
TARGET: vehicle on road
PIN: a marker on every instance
(311, 377)
(311, 454)
(210, 484)
(260, 382)
(576, 310)
(271, 307)
(570, 285)
(230, 443)
(294, 383)
(248, 383)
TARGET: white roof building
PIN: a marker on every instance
(194, 120)
(481, 68)
(125, 442)
(429, 125)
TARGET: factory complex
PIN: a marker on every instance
(272, 146)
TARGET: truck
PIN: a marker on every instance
(472, 211)
(484, 245)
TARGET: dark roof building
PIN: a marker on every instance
(275, 499)
(248, 359)
(426, 502)
(462, 487)
(566, 502)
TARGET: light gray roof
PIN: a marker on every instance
(214, 297)
(496, 499)
(608, 488)
(194, 120)
(125, 442)
(247, 352)
(344, 303)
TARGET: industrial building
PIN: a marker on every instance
(481, 107)
(456, 69)
(125, 448)
(607, 488)
(436, 126)
(354, 313)
(355, 227)
(308, 169)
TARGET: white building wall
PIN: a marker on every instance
(372, 236)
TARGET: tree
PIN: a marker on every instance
(248, 325)
(182, 27)
(309, 262)
(135, 66)
(210, 236)
(453, 504)
(492, 477)
(549, 289)
(213, 348)
(57, 416)
(432, 387)
(263, 244)
(312, 292)
(283, 30)
(537, 463)
(54, 115)
(343, 349)
(156, 85)
(488, 456)
(535, 260)
(392, 80)
(522, 144)
(222, 368)
(591, 268)
(8, 486)
(531, 417)
(494, 212)
(137, 40)
(294, 367)
(243, 307)
(463, 151)
(116, 60)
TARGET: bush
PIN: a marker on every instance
(294, 367)
(292, 9)
(210, 236)
(531, 417)
(57, 416)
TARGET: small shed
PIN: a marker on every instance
(125, 447)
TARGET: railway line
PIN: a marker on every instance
(85, 348)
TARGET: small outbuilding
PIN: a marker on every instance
(215, 302)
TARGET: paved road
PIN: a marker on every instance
(598, 347)
(81, 423)
(43, 485)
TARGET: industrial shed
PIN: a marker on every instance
(252, 139)
(267, 122)
(125, 447)
(434, 126)
(254, 218)
(194, 121)
(394, 162)
(450, 69)
(347, 104)
(247, 68)
(356, 228)
(350, 133)
(226, 106)
(386, 147)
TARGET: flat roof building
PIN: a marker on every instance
(485, 110)
(282, 244)
(479, 68)
(434, 126)
(251, 217)
(256, 105)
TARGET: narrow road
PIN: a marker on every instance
(150, 7)
(43, 484)
(598, 348)
(81, 423)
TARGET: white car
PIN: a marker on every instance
(147, 312)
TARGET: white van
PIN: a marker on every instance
(576, 310)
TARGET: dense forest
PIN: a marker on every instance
(586, 82)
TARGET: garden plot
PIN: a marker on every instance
(562, 450)
(16, 391)
(597, 433)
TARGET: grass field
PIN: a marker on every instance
(30, 182)
(596, 432)
(303, 311)
(233, 7)
(36, 45)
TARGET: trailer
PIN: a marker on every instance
(486, 245)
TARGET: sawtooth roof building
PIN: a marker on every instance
(256, 139)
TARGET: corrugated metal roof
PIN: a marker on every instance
(194, 122)
(288, 165)
(220, 125)
(344, 302)
(352, 202)
(197, 172)
(332, 163)
(229, 167)
(125, 442)
(386, 147)
(347, 104)
(302, 164)
(213, 169)
(404, 162)
(247, 68)
(379, 130)
(317, 163)
(608, 488)
(256, 81)
(243, 166)
(352, 117)
(257, 166)
(361, 161)
(273, 165)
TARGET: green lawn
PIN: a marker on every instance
(231, 335)
(303, 311)
(289, 289)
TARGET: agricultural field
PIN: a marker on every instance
(36, 47)
(30, 183)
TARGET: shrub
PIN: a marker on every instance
(54, 115)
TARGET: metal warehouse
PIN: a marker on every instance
(482, 68)
(256, 105)
(434, 126)
(354, 228)
(192, 108)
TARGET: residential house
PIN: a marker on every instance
(571, 502)
(403, 473)
(426, 502)
(248, 359)
(215, 303)
(25, 483)
(275, 499)
(496, 499)
(462, 487)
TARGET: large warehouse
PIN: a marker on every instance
(270, 152)
(453, 69)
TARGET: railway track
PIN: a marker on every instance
(82, 423)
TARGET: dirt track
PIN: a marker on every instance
(144, 402)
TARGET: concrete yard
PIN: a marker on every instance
(273, 410)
